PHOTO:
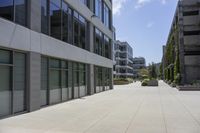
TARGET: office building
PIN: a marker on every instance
(52, 51)
(181, 55)
(138, 64)
(123, 57)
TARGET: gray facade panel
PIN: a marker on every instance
(34, 70)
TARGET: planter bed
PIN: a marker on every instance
(188, 88)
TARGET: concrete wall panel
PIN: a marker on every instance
(22, 38)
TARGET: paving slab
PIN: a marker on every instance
(126, 109)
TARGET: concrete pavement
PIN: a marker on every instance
(126, 109)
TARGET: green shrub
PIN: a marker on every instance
(177, 79)
(145, 82)
(122, 81)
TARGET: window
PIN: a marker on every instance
(107, 47)
(82, 80)
(19, 101)
(14, 10)
(7, 9)
(80, 31)
(83, 26)
(70, 32)
(54, 81)
(12, 82)
(85, 2)
(64, 78)
(44, 17)
(61, 80)
(44, 81)
(98, 8)
(76, 79)
(106, 15)
(65, 22)
(102, 44)
(98, 46)
(190, 13)
(55, 18)
(191, 33)
(102, 78)
(102, 11)
(20, 12)
(76, 29)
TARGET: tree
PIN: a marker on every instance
(144, 73)
(152, 71)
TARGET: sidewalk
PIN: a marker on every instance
(126, 109)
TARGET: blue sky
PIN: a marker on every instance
(144, 24)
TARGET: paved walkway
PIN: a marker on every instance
(127, 109)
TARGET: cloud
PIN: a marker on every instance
(150, 24)
(117, 6)
(163, 1)
(141, 3)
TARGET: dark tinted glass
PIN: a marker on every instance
(44, 17)
(20, 12)
(6, 9)
(55, 17)
(5, 57)
(65, 22)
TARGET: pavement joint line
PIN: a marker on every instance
(184, 106)
(93, 124)
(162, 110)
(133, 118)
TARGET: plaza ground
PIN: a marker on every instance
(126, 109)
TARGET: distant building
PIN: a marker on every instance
(181, 57)
(138, 64)
(123, 57)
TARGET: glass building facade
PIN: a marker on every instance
(12, 82)
(56, 54)
(62, 80)
(14, 10)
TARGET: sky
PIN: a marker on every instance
(144, 24)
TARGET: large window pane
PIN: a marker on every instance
(106, 16)
(5, 90)
(54, 79)
(82, 80)
(98, 42)
(44, 81)
(83, 27)
(44, 17)
(76, 32)
(107, 47)
(5, 57)
(65, 22)
(55, 17)
(70, 33)
(6, 9)
(98, 8)
(54, 63)
(70, 80)
(64, 85)
(20, 12)
(19, 83)
(55, 90)
(76, 80)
